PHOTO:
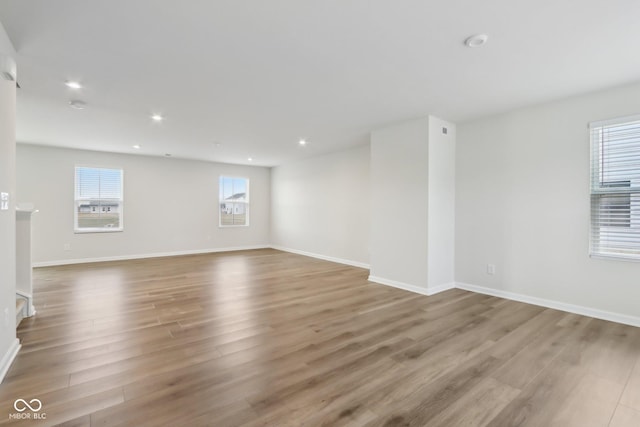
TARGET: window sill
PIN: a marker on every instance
(615, 257)
(98, 230)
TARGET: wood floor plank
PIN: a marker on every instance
(625, 417)
(631, 395)
(268, 338)
(591, 404)
(478, 406)
(435, 397)
(543, 398)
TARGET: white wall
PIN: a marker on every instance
(522, 203)
(441, 195)
(321, 206)
(399, 203)
(186, 190)
(8, 341)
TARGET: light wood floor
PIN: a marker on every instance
(269, 338)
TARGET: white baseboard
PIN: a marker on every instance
(8, 358)
(412, 288)
(141, 256)
(441, 288)
(570, 308)
(31, 310)
(322, 257)
(577, 309)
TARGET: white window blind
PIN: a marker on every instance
(615, 188)
(98, 200)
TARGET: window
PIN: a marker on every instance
(98, 200)
(615, 188)
(234, 201)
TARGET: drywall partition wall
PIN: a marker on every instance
(441, 202)
(522, 204)
(320, 206)
(8, 342)
(412, 205)
(170, 206)
(399, 204)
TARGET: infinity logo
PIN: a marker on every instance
(37, 405)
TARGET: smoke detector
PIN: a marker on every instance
(78, 105)
(476, 40)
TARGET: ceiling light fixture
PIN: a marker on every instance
(73, 85)
(78, 105)
(137, 147)
(250, 159)
(157, 117)
(476, 40)
(302, 142)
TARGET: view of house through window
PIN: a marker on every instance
(615, 188)
(98, 199)
(234, 201)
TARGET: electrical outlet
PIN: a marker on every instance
(491, 269)
(6, 317)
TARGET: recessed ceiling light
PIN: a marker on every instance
(157, 117)
(137, 147)
(476, 40)
(302, 142)
(73, 85)
(250, 159)
(78, 105)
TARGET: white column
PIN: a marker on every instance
(412, 205)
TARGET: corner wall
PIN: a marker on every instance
(441, 194)
(522, 204)
(320, 206)
(8, 342)
(412, 205)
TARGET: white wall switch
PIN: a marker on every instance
(491, 269)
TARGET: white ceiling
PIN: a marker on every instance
(255, 76)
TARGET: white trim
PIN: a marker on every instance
(151, 255)
(614, 121)
(323, 257)
(556, 305)
(614, 257)
(246, 202)
(412, 288)
(31, 309)
(441, 288)
(77, 198)
(577, 309)
(8, 358)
